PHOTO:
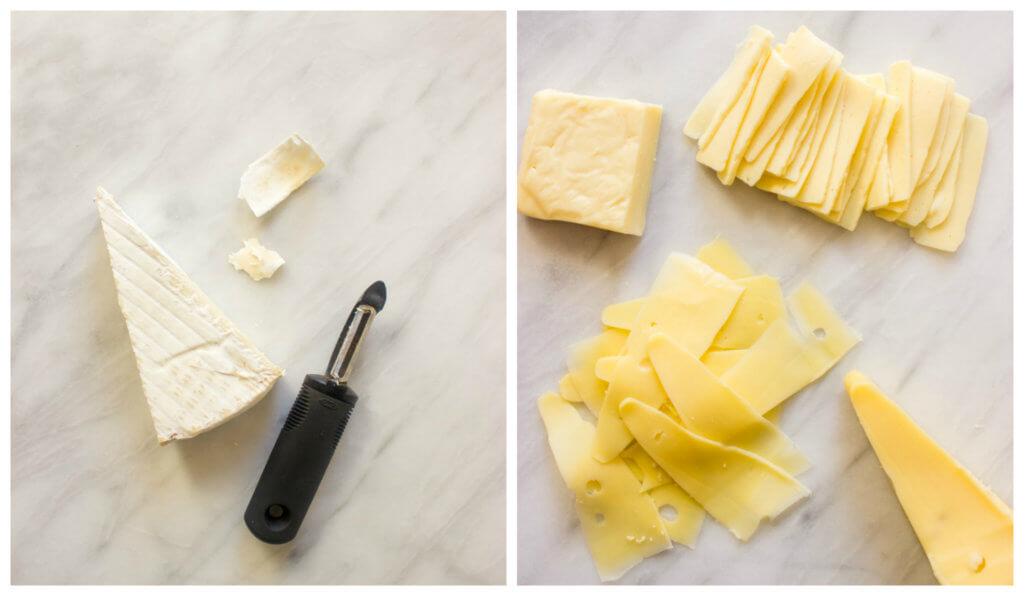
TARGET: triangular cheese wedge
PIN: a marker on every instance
(965, 530)
(197, 368)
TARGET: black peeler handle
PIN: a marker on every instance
(299, 459)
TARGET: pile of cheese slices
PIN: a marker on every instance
(685, 385)
(788, 120)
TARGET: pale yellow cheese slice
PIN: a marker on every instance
(819, 164)
(881, 192)
(949, 235)
(898, 85)
(736, 487)
(965, 529)
(622, 314)
(946, 191)
(714, 147)
(781, 362)
(771, 80)
(872, 158)
(719, 361)
(805, 116)
(859, 154)
(712, 410)
(690, 302)
(583, 358)
(939, 140)
(723, 258)
(621, 524)
(807, 56)
(796, 175)
(604, 368)
(720, 98)
(567, 390)
(759, 306)
(926, 193)
(681, 515)
(649, 473)
(927, 94)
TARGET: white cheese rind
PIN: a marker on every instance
(197, 368)
(271, 178)
(255, 259)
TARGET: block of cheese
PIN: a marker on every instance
(197, 368)
(807, 56)
(712, 410)
(965, 529)
(949, 235)
(720, 98)
(738, 488)
(589, 160)
(271, 178)
(583, 358)
(255, 259)
(621, 524)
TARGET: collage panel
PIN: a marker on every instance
(764, 298)
(320, 193)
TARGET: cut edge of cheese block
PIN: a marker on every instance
(197, 369)
(965, 529)
(273, 177)
(738, 488)
(621, 524)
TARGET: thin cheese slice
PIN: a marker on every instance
(807, 56)
(927, 94)
(728, 87)
(605, 367)
(272, 178)
(736, 487)
(805, 116)
(926, 193)
(949, 235)
(583, 358)
(871, 161)
(714, 147)
(622, 315)
(682, 516)
(759, 306)
(621, 524)
(690, 302)
(719, 361)
(898, 85)
(567, 390)
(197, 368)
(946, 191)
(781, 362)
(881, 192)
(712, 410)
(774, 75)
(939, 140)
(723, 258)
(649, 473)
(964, 528)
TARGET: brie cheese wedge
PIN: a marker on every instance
(197, 368)
(271, 178)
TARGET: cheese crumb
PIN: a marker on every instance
(256, 260)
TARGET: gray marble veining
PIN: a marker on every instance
(166, 110)
(936, 327)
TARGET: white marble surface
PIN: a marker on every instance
(166, 110)
(937, 333)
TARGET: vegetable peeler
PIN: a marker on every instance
(311, 433)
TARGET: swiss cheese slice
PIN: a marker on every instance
(712, 410)
(197, 368)
(567, 390)
(949, 235)
(621, 524)
(719, 361)
(682, 516)
(759, 306)
(723, 258)
(621, 315)
(965, 529)
(582, 360)
(738, 488)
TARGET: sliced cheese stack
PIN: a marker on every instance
(787, 119)
(965, 529)
(685, 385)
